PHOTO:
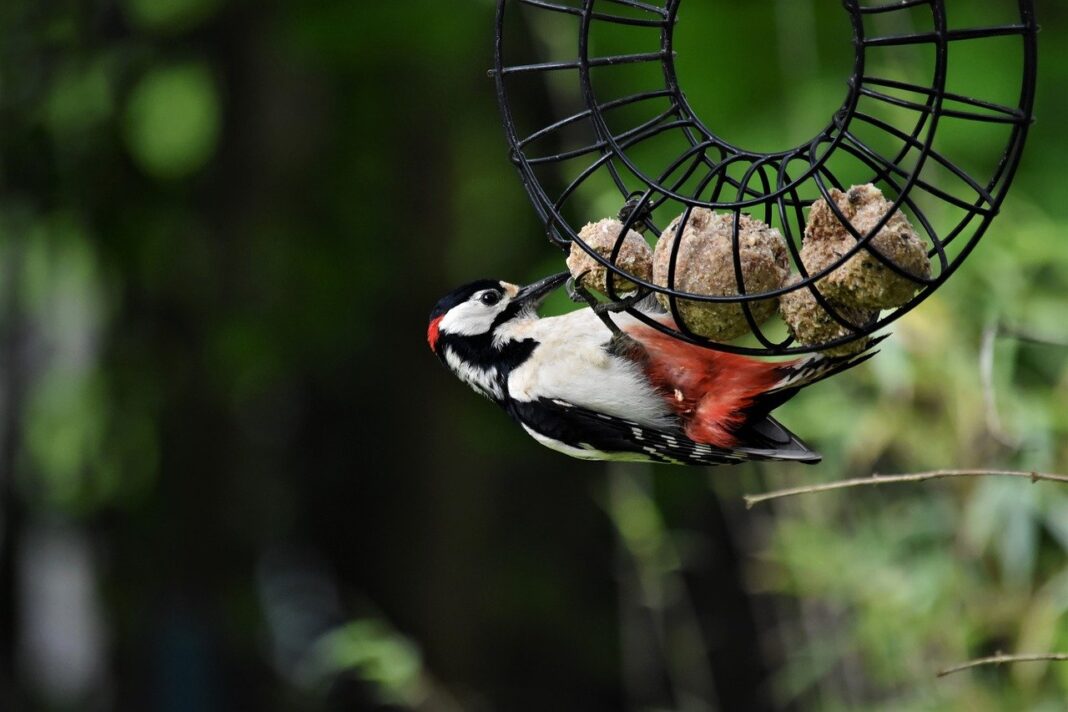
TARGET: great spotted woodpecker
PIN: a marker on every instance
(637, 395)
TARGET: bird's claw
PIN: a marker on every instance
(625, 303)
(621, 344)
(626, 346)
(579, 294)
(640, 223)
(573, 293)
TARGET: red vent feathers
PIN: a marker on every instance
(709, 390)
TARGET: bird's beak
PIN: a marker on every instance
(533, 294)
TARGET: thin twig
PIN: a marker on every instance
(1028, 336)
(991, 333)
(986, 373)
(876, 479)
(1000, 659)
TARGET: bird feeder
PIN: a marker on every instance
(583, 122)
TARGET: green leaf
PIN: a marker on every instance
(173, 120)
(169, 15)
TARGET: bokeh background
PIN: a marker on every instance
(232, 477)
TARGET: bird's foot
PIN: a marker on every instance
(640, 222)
(626, 302)
(579, 294)
(622, 344)
(626, 346)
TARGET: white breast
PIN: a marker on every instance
(571, 364)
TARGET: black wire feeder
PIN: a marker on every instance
(941, 155)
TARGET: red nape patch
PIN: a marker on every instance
(432, 333)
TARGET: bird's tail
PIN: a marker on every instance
(806, 371)
(769, 439)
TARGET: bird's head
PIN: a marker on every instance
(475, 311)
(466, 327)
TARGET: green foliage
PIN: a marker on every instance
(229, 354)
(372, 650)
(81, 98)
(173, 120)
(169, 16)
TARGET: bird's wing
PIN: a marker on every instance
(591, 435)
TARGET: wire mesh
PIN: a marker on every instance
(942, 152)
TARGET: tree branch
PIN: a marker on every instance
(876, 479)
(986, 375)
(1000, 659)
(1031, 337)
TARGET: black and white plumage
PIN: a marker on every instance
(568, 382)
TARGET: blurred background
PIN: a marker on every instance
(232, 476)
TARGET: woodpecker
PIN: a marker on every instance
(634, 395)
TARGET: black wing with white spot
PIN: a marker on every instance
(591, 435)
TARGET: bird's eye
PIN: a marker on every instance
(490, 298)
